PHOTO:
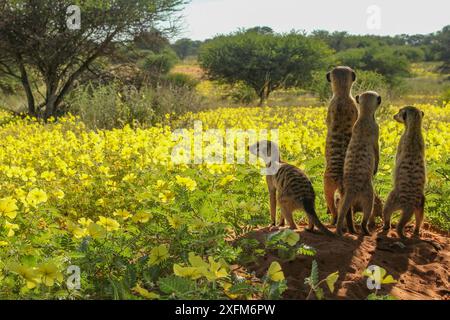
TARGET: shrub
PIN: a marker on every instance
(110, 106)
(181, 80)
(159, 63)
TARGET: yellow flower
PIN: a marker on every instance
(8, 207)
(224, 181)
(188, 183)
(49, 273)
(48, 176)
(108, 223)
(36, 196)
(166, 196)
(85, 222)
(175, 221)
(158, 255)
(30, 275)
(199, 268)
(275, 273)
(96, 231)
(145, 293)
(11, 227)
(129, 177)
(80, 232)
(59, 194)
(4, 243)
(124, 214)
(142, 217)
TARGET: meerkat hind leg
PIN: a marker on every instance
(350, 223)
(287, 213)
(344, 206)
(419, 212)
(367, 208)
(330, 188)
(404, 219)
(389, 208)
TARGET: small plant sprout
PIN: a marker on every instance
(315, 285)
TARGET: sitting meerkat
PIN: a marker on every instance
(361, 162)
(409, 175)
(289, 186)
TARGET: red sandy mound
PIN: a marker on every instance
(420, 267)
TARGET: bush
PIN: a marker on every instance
(383, 60)
(159, 63)
(240, 93)
(111, 106)
(181, 80)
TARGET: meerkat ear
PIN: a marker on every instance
(329, 76)
(354, 76)
(379, 100)
(357, 98)
(423, 114)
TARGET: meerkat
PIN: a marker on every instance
(289, 186)
(361, 162)
(342, 115)
(409, 175)
(377, 209)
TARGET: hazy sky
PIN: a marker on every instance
(206, 18)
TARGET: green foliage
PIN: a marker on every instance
(181, 80)
(264, 61)
(315, 284)
(366, 80)
(156, 64)
(186, 48)
(386, 61)
(110, 106)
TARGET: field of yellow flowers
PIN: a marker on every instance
(107, 215)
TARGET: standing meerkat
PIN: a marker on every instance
(289, 186)
(410, 174)
(342, 115)
(361, 162)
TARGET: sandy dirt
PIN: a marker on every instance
(421, 267)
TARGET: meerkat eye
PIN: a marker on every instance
(404, 116)
(329, 76)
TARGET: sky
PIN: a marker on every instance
(204, 19)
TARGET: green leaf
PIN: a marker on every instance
(331, 280)
(314, 273)
(319, 293)
(389, 279)
(290, 237)
(306, 250)
(176, 285)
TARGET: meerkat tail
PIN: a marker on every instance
(310, 210)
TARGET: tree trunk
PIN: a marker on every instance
(51, 99)
(27, 87)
